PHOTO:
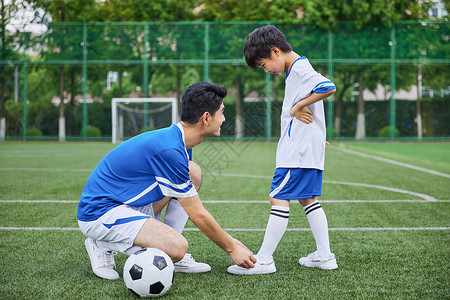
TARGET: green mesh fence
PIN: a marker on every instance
(391, 82)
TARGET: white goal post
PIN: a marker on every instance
(132, 116)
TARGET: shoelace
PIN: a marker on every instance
(107, 258)
(185, 260)
(188, 257)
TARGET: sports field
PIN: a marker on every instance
(388, 208)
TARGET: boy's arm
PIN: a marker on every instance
(209, 226)
(299, 110)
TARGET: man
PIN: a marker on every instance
(132, 183)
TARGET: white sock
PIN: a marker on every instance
(158, 216)
(175, 215)
(276, 226)
(319, 227)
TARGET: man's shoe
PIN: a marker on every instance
(102, 261)
(260, 268)
(312, 261)
(189, 265)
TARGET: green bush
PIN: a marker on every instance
(385, 132)
(34, 132)
(92, 131)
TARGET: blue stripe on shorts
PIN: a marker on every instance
(297, 183)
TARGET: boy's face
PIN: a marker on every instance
(275, 64)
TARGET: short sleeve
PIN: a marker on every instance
(171, 170)
(323, 87)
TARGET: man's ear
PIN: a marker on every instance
(205, 118)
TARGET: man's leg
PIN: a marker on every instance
(155, 234)
(176, 218)
(116, 231)
(175, 215)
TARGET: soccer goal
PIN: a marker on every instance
(132, 116)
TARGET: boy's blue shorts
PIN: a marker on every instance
(298, 183)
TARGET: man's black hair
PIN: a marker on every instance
(261, 41)
(199, 98)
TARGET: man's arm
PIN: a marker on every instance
(298, 110)
(209, 226)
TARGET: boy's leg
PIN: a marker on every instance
(322, 258)
(276, 226)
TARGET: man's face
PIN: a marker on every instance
(216, 121)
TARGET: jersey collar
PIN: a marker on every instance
(182, 136)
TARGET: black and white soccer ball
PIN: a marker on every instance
(148, 273)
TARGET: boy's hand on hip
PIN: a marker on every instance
(303, 114)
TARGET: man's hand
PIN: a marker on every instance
(241, 256)
(303, 114)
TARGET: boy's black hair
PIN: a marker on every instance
(199, 98)
(261, 41)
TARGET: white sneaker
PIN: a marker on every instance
(312, 261)
(189, 265)
(102, 261)
(259, 268)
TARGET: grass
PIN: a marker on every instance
(373, 264)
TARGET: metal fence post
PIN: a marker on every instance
(330, 76)
(145, 83)
(206, 62)
(268, 107)
(24, 96)
(84, 80)
(393, 82)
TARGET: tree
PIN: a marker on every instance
(327, 14)
(64, 44)
(7, 44)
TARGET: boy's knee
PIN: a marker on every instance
(195, 172)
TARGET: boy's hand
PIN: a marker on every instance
(303, 114)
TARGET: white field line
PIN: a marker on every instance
(249, 229)
(394, 162)
(239, 201)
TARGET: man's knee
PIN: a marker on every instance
(179, 250)
(195, 172)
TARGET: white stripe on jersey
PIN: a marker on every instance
(177, 186)
(169, 192)
(142, 193)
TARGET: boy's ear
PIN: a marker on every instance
(276, 51)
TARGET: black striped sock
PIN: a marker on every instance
(280, 212)
(312, 207)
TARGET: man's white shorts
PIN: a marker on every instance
(117, 229)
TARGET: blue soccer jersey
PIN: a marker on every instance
(140, 171)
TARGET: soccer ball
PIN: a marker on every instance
(148, 273)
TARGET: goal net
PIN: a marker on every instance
(133, 116)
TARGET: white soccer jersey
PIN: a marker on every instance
(302, 145)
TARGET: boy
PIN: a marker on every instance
(301, 148)
(134, 181)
